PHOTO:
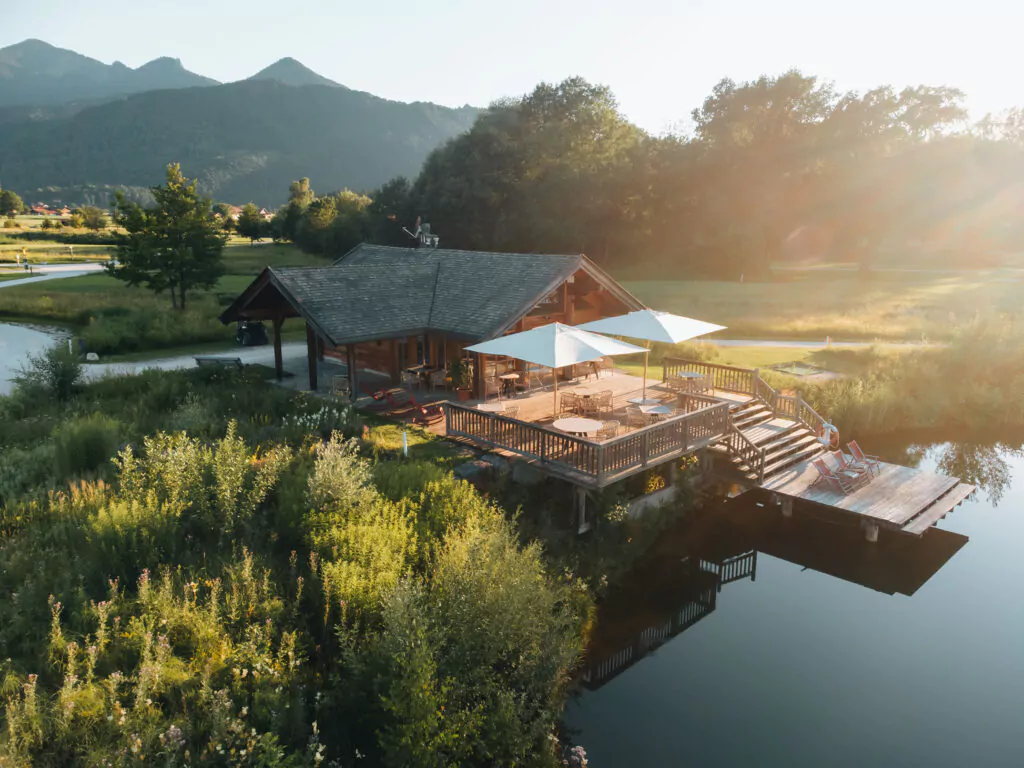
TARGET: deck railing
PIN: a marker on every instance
(748, 381)
(581, 459)
(750, 454)
(724, 377)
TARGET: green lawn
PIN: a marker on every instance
(904, 306)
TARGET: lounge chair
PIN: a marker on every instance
(845, 464)
(873, 463)
(841, 481)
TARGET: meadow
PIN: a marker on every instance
(851, 306)
(114, 319)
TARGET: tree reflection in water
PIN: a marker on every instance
(982, 463)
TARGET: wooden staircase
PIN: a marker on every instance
(769, 432)
(779, 442)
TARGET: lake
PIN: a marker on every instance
(795, 642)
(17, 342)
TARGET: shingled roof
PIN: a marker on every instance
(379, 292)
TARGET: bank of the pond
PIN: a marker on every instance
(824, 649)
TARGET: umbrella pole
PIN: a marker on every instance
(554, 403)
(647, 352)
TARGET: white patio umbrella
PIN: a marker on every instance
(652, 325)
(555, 346)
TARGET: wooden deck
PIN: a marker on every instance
(899, 498)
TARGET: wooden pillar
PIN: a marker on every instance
(478, 376)
(312, 356)
(350, 364)
(319, 349)
(580, 494)
(278, 359)
(396, 361)
(787, 506)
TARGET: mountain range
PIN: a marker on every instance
(72, 128)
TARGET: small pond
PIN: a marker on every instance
(747, 639)
(17, 341)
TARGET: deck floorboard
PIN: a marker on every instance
(893, 499)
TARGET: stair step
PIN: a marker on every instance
(783, 457)
(798, 442)
(791, 459)
(776, 441)
(752, 420)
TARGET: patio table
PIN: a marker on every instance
(641, 401)
(498, 407)
(508, 383)
(577, 426)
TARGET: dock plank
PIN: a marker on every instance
(892, 499)
(938, 510)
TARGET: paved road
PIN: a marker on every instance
(53, 272)
(290, 352)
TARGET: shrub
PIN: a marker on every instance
(10, 224)
(56, 373)
(84, 444)
(22, 469)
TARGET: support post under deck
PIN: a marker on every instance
(871, 531)
(787, 506)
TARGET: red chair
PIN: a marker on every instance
(428, 413)
(873, 463)
(838, 480)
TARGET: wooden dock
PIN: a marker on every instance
(899, 498)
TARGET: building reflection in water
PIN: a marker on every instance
(683, 579)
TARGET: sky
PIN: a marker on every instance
(660, 58)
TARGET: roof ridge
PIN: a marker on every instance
(433, 293)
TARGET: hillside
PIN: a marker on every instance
(244, 141)
(37, 73)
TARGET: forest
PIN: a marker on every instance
(776, 169)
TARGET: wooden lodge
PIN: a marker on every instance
(397, 319)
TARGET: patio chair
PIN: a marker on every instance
(410, 380)
(605, 364)
(635, 417)
(604, 401)
(492, 386)
(873, 463)
(511, 411)
(339, 387)
(587, 405)
(438, 379)
(568, 404)
(608, 429)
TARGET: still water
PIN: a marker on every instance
(16, 343)
(750, 640)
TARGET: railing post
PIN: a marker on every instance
(644, 447)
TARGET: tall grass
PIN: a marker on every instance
(976, 382)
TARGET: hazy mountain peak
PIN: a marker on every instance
(35, 72)
(289, 71)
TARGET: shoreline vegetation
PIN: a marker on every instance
(203, 563)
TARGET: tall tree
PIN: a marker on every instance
(94, 218)
(174, 245)
(287, 220)
(250, 222)
(10, 203)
